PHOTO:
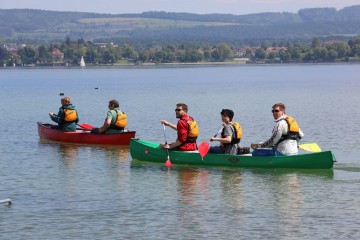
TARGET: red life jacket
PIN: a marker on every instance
(193, 129)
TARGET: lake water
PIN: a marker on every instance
(62, 191)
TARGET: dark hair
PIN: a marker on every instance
(114, 102)
(183, 105)
(228, 112)
(280, 105)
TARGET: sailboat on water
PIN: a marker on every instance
(82, 62)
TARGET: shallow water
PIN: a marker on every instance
(67, 191)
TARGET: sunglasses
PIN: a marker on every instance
(178, 110)
(274, 111)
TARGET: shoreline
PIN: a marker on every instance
(229, 63)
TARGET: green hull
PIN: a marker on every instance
(150, 151)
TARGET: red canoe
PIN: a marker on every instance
(47, 131)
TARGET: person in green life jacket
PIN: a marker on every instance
(115, 120)
(67, 117)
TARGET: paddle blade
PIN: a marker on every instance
(168, 163)
(310, 147)
(86, 126)
(204, 148)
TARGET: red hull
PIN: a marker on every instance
(84, 137)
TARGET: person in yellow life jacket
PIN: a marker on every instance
(187, 130)
(230, 135)
(284, 138)
(115, 121)
(67, 117)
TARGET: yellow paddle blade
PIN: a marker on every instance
(311, 147)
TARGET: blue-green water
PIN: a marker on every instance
(62, 191)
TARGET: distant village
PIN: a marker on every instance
(81, 53)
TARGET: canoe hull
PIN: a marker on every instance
(83, 137)
(149, 151)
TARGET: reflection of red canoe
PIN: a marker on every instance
(46, 131)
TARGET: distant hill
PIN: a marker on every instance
(47, 26)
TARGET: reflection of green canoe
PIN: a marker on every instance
(150, 151)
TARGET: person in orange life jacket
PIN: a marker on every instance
(67, 116)
(284, 138)
(187, 130)
(115, 121)
(228, 143)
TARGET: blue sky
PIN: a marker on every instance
(189, 6)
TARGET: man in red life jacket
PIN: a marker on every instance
(187, 130)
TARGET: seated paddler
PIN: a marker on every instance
(284, 138)
(115, 121)
(230, 135)
(67, 117)
(187, 130)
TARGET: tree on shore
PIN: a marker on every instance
(109, 53)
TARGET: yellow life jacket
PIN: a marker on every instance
(121, 119)
(193, 130)
(70, 115)
(238, 132)
(293, 129)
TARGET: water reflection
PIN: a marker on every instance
(192, 182)
(68, 154)
(121, 153)
(287, 193)
(232, 191)
(283, 194)
(194, 198)
(325, 173)
(118, 157)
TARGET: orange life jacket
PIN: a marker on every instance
(294, 129)
(193, 129)
(121, 120)
(70, 115)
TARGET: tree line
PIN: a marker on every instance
(70, 52)
(316, 52)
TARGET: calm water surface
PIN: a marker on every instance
(62, 191)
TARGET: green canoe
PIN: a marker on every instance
(150, 151)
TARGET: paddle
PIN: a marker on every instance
(167, 163)
(205, 146)
(310, 147)
(85, 126)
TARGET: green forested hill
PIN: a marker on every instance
(40, 25)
